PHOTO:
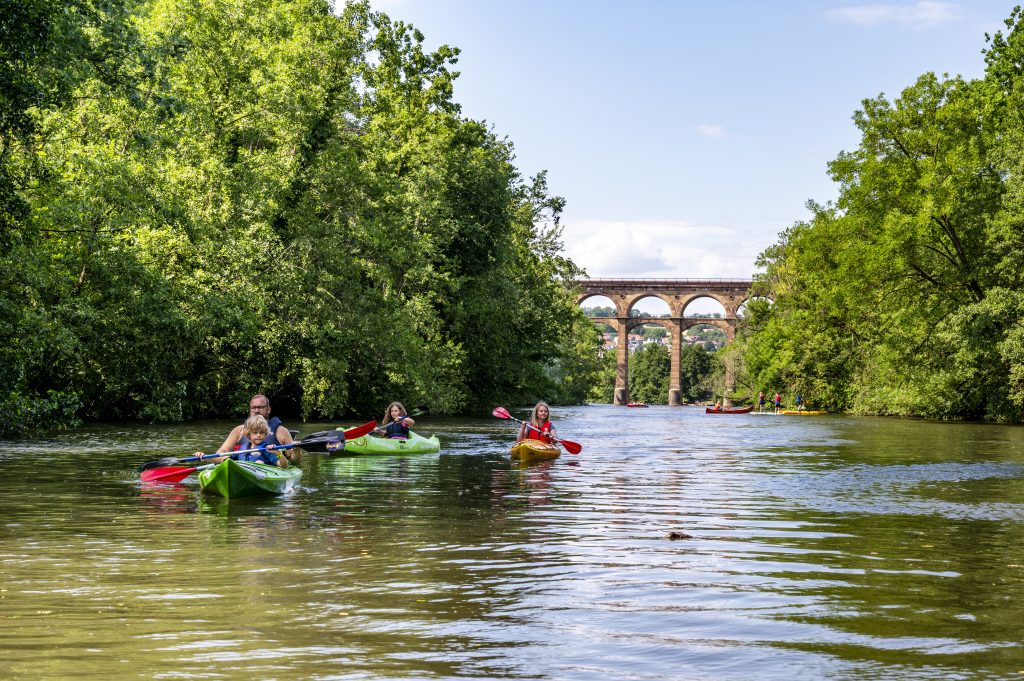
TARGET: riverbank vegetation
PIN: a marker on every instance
(906, 295)
(203, 200)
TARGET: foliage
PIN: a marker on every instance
(649, 368)
(697, 369)
(209, 199)
(904, 297)
(602, 390)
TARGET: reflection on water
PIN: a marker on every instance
(814, 548)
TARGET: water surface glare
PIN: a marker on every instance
(810, 547)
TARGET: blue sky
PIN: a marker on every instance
(685, 136)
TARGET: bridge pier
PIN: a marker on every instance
(675, 393)
(621, 396)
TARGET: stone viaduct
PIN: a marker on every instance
(677, 293)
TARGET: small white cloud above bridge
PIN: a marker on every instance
(712, 131)
(921, 15)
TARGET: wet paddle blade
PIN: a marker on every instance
(166, 474)
(572, 447)
(501, 413)
(166, 461)
(359, 431)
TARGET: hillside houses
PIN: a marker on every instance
(637, 340)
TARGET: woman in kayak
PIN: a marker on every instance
(540, 426)
(256, 431)
(396, 422)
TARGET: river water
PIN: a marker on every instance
(811, 548)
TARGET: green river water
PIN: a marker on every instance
(815, 548)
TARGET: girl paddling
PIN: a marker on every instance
(396, 422)
(540, 426)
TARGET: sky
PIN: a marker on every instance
(686, 136)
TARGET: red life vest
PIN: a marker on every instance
(533, 433)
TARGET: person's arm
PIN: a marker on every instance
(282, 460)
(522, 433)
(407, 421)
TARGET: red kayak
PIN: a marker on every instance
(729, 410)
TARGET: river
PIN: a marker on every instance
(809, 548)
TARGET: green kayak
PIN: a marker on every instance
(416, 444)
(232, 479)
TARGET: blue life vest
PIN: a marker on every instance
(398, 429)
(262, 456)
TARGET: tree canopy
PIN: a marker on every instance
(904, 295)
(208, 199)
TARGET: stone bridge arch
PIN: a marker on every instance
(678, 294)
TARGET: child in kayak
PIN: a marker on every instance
(540, 426)
(396, 422)
(255, 431)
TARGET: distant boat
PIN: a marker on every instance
(636, 404)
(729, 410)
(803, 412)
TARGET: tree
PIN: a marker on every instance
(649, 374)
(696, 370)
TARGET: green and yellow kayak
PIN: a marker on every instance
(535, 450)
(233, 479)
(415, 444)
(803, 412)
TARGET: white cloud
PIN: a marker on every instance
(715, 131)
(923, 14)
(660, 249)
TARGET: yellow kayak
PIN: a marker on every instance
(535, 450)
(793, 412)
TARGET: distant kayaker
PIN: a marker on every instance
(279, 435)
(799, 402)
(396, 422)
(540, 426)
(718, 406)
(760, 401)
(256, 433)
(778, 403)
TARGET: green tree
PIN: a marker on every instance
(697, 368)
(289, 197)
(649, 374)
(870, 293)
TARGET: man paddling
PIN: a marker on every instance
(279, 435)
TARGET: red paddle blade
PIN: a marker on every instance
(359, 431)
(166, 474)
(572, 447)
(501, 413)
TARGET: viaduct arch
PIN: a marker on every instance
(677, 293)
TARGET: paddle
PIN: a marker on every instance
(170, 473)
(350, 434)
(326, 443)
(571, 447)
